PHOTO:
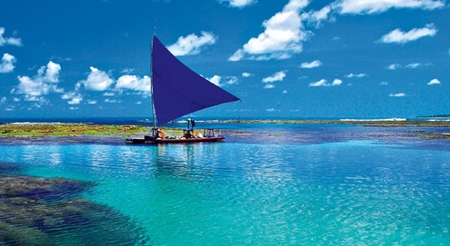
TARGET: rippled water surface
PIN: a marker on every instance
(341, 190)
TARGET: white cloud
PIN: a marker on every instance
(336, 82)
(323, 82)
(269, 86)
(107, 100)
(246, 75)
(378, 6)
(384, 83)
(239, 3)
(394, 66)
(413, 65)
(97, 80)
(398, 36)
(8, 41)
(401, 94)
(133, 82)
(43, 83)
(278, 76)
(51, 72)
(434, 82)
(282, 37)
(215, 80)
(7, 63)
(312, 64)
(75, 98)
(191, 44)
(127, 70)
(92, 102)
(316, 17)
(352, 75)
(231, 80)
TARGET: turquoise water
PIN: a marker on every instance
(250, 192)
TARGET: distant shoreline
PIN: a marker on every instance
(47, 132)
(351, 122)
(83, 129)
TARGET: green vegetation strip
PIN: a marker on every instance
(38, 130)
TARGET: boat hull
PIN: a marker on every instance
(151, 140)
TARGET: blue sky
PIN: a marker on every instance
(284, 58)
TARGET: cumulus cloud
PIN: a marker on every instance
(7, 63)
(100, 81)
(215, 80)
(282, 37)
(97, 80)
(378, 6)
(398, 36)
(434, 82)
(191, 44)
(336, 82)
(394, 66)
(323, 82)
(239, 3)
(133, 82)
(43, 83)
(312, 64)
(278, 76)
(401, 94)
(8, 41)
(246, 74)
(74, 97)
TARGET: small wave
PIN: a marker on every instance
(36, 123)
(388, 119)
(433, 120)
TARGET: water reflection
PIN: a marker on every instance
(192, 161)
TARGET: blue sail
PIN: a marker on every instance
(177, 90)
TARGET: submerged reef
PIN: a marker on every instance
(50, 211)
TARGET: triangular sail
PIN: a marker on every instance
(177, 90)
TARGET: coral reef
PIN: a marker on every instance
(50, 211)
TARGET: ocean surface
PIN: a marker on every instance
(266, 184)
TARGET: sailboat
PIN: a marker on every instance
(176, 91)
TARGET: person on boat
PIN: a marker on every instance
(189, 132)
(191, 124)
(160, 134)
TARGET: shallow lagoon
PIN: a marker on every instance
(267, 185)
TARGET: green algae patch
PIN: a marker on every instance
(40, 130)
